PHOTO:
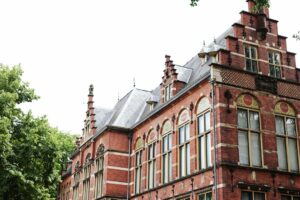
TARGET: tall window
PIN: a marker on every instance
(286, 197)
(86, 177)
(138, 166)
(167, 151)
(286, 137)
(249, 132)
(99, 171)
(251, 58)
(76, 182)
(274, 64)
(151, 165)
(168, 92)
(138, 172)
(204, 135)
(184, 144)
(247, 195)
(205, 196)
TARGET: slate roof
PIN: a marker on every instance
(133, 108)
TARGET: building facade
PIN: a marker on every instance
(223, 126)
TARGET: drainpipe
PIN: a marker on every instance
(129, 165)
(213, 82)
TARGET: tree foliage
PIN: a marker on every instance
(259, 3)
(31, 152)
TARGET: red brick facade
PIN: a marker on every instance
(229, 90)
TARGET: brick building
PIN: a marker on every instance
(160, 144)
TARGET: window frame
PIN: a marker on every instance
(167, 155)
(249, 132)
(286, 138)
(86, 180)
(290, 196)
(168, 92)
(184, 145)
(272, 63)
(250, 58)
(151, 160)
(99, 168)
(138, 169)
(204, 135)
(76, 185)
(205, 195)
(253, 193)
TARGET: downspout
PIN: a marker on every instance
(213, 82)
(129, 165)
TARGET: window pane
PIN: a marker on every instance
(286, 198)
(165, 144)
(202, 197)
(247, 52)
(170, 166)
(154, 150)
(248, 65)
(208, 150)
(256, 153)
(254, 121)
(296, 198)
(170, 142)
(187, 132)
(272, 70)
(207, 121)
(188, 164)
(277, 58)
(208, 196)
(277, 72)
(202, 152)
(281, 153)
(165, 169)
(253, 53)
(181, 135)
(291, 128)
(149, 152)
(182, 170)
(201, 124)
(279, 125)
(254, 66)
(293, 154)
(243, 148)
(270, 57)
(242, 119)
(246, 195)
(259, 196)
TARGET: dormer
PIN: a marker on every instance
(170, 84)
(89, 122)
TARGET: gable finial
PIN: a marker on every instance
(203, 43)
(118, 96)
(91, 90)
(133, 82)
(215, 40)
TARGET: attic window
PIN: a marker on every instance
(168, 92)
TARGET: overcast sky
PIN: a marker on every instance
(64, 46)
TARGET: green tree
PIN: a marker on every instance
(31, 151)
(259, 3)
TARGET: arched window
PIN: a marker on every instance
(286, 137)
(76, 181)
(167, 151)
(99, 171)
(86, 177)
(152, 137)
(184, 143)
(138, 166)
(249, 136)
(203, 128)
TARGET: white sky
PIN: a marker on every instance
(65, 45)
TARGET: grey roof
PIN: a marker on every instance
(134, 107)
